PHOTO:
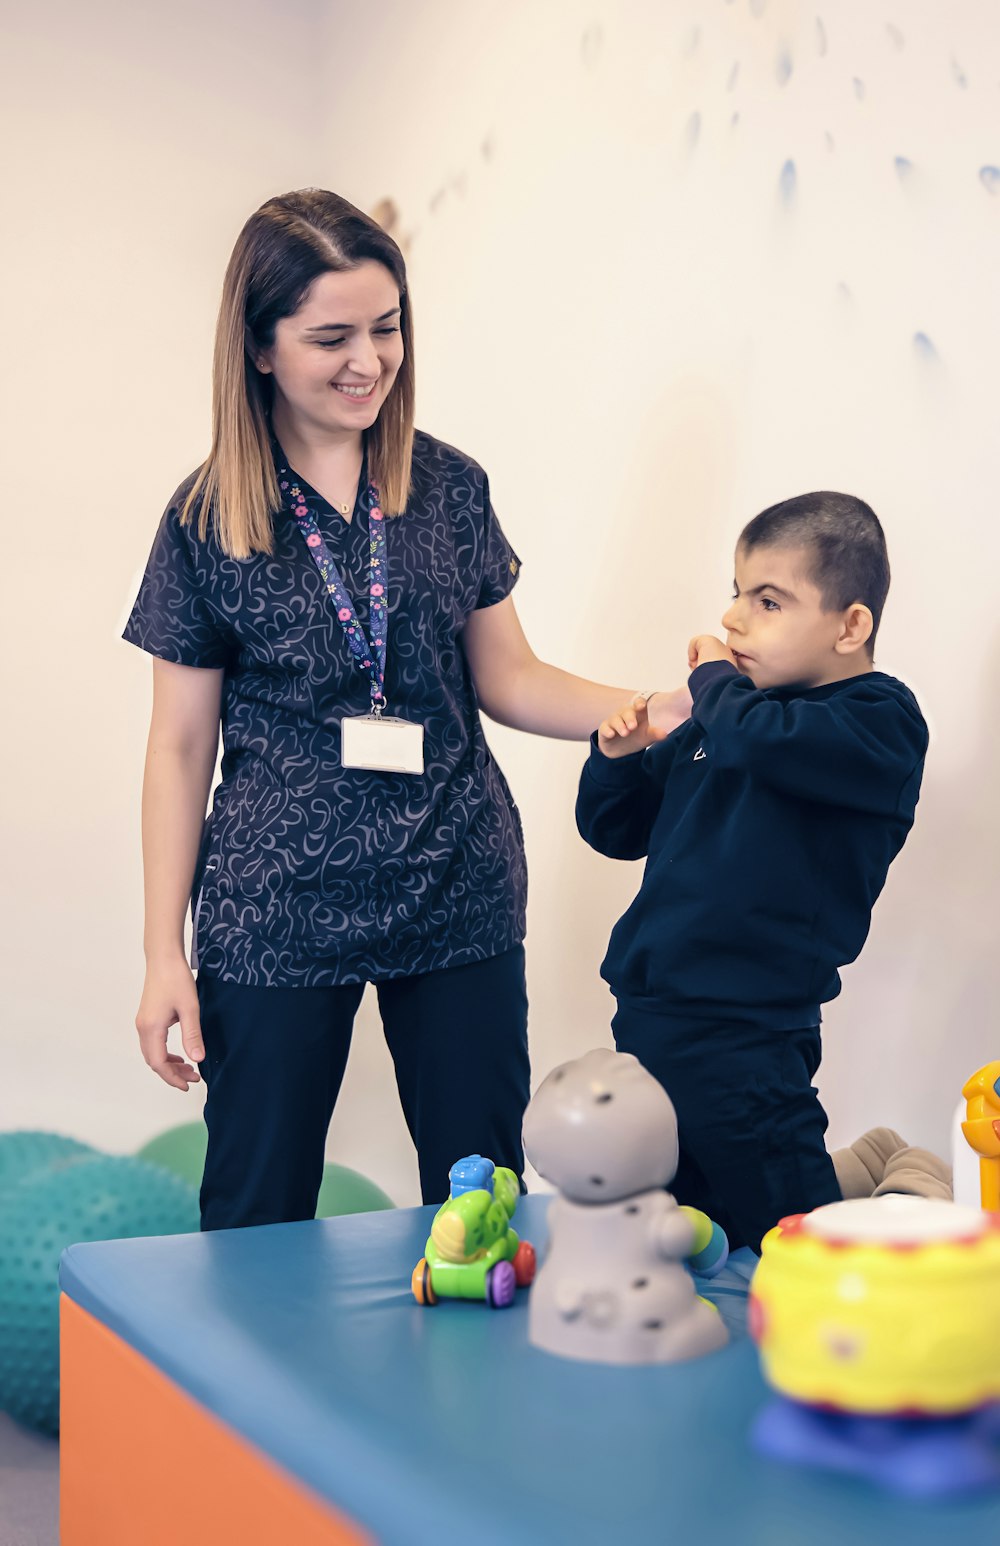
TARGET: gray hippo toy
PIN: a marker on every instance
(613, 1287)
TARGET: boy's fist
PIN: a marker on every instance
(705, 647)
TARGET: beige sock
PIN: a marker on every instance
(916, 1173)
(861, 1168)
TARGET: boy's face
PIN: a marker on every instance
(777, 627)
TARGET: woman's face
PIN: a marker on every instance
(335, 359)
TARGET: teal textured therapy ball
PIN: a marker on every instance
(91, 1197)
(26, 1150)
(181, 1150)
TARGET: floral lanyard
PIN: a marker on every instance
(369, 656)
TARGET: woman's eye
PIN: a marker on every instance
(387, 330)
(330, 343)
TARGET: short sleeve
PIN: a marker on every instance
(173, 617)
(501, 565)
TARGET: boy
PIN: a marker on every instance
(770, 820)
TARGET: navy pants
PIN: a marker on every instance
(275, 1058)
(751, 1128)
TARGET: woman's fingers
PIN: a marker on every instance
(190, 1018)
(170, 1066)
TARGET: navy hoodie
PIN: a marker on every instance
(770, 819)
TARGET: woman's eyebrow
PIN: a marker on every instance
(345, 327)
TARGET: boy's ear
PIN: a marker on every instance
(856, 629)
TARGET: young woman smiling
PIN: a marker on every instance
(335, 589)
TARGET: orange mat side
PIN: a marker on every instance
(143, 1462)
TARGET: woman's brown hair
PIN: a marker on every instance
(280, 251)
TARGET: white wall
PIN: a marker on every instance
(139, 137)
(642, 341)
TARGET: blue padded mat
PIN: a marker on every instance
(443, 1424)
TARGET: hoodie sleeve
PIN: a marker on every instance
(863, 749)
(620, 797)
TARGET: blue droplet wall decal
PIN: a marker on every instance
(989, 176)
(787, 183)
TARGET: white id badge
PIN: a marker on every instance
(382, 744)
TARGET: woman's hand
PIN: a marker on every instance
(667, 710)
(169, 997)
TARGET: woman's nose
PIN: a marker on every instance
(365, 361)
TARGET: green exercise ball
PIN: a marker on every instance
(346, 1191)
(27, 1150)
(181, 1150)
(91, 1197)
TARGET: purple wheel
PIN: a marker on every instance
(500, 1285)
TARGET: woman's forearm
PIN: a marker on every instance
(175, 792)
(544, 700)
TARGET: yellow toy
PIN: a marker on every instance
(888, 1305)
(878, 1321)
(982, 1130)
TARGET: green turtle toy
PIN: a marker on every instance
(472, 1252)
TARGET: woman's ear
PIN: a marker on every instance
(255, 353)
(856, 629)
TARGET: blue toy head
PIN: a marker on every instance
(474, 1173)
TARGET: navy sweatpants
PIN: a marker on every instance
(275, 1058)
(751, 1128)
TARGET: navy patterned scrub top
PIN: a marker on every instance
(311, 874)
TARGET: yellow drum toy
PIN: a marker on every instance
(879, 1321)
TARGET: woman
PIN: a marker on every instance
(327, 574)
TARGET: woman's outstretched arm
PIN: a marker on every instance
(515, 688)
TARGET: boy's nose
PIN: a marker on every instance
(729, 619)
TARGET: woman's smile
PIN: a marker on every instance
(361, 394)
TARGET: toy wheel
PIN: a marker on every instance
(500, 1286)
(524, 1264)
(420, 1282)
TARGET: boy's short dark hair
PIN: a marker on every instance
(850, 561)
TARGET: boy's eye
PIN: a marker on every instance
(769, 604)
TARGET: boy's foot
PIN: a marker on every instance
(916, 1173)
(861, 1168)
(881, 1163)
